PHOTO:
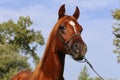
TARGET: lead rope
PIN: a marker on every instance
(85, 60)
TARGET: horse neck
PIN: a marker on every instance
(52, 63)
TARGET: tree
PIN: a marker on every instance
(21, 36)
(11, 62)
(17, 41)
(116, 32)
(83, 74)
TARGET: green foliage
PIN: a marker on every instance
(96, 78)
(11, 62)
(84, 75)
(19, 35)
(116, 14)
(116, 32)
(17, 41)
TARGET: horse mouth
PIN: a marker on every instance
(77, 58)
(77, 55)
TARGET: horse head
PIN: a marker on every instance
(69, 34)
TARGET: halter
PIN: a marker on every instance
(65, 43)
(74, 35)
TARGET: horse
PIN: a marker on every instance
(65, 39)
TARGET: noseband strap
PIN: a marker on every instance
(65, 43)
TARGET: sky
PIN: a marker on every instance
(96, 19)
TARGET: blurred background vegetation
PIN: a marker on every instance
(17, 43)
(116, 32)
(84, 75)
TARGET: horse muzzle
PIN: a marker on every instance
(77, 49)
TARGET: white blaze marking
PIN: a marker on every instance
(73, 25)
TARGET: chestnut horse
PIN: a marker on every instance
(65, 38)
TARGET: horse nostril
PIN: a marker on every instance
(77, 47)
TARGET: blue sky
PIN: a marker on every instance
(96, 19)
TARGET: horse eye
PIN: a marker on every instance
(62, 28)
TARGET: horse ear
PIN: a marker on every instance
(76, 13)
(61, 12)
